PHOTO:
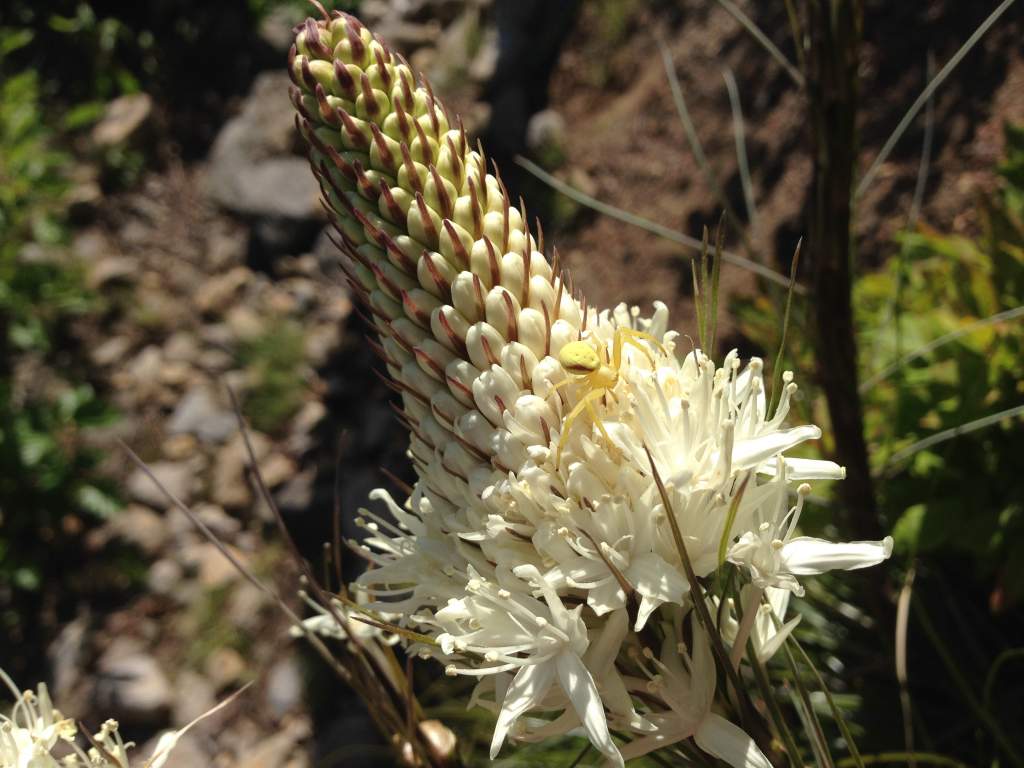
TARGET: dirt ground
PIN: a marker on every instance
(627, 142)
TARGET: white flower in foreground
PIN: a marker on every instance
(765, 635)
(775, 558)
(35, 728)
(544, 642)
(686, 684)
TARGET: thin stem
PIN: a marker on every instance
(924, 758)
(646, 224)
(750, 611)
(762, 38)
(786, 734)
(739, 133)
(902, 623)
(931, 346)
(777, 369)
(926, 94)
(949, 434)
(983, 715)
(694, 140)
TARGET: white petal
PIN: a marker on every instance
(604, 648)
(718, 737)
(666, 736)
(769, 645)
(527, 689)
(805, 556)
(657, 581)
(580, 687)
(752, 453)
(806, 469)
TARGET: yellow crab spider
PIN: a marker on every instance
(591, 367)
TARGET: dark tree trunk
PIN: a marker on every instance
(834, 28)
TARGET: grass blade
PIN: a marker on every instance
(739, 133)
(650, 226)
(949, 434)
(762, 38)
(924, 349)
(777, 368)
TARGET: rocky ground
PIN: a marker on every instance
(217, 274)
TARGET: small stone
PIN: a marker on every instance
(124, 118)
(224, 667)
(284, 692)
(140, 526)
(111, 269)
(111, 351)
(230, 487)
(245, 606)
(131, 686)
(296, 495)
(214, 570)
(274, 751)
(217, 292)
(201, 413)
(194, 696)
(164, 577)
(188, 750)
(276, 469)
(175, 374)
(181, 347)
(145, 366)
(178, 447)
(244, 323)
(177, 477)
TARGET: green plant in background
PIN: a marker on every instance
(49, 482)
(957, 352)
(274, 359)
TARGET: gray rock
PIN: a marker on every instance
(140, 526)
(201, 413)
(125, 117)
(131, 684)
(177, 477)
(252, 167)
(194, 696)
(285, 690)
(164, 577)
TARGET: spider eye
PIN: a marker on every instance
(579, 357)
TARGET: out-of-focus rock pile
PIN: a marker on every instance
(219, 275)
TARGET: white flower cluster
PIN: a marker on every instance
(550, 571)
(35, 733)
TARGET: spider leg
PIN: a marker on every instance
(633, 338)
(585, 404)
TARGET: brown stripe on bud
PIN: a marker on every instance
(393, 209)
(444, 200)
(430, 277)
(398, 257)
(382, 65)
(346, 82)
(410, 169)
(451, 239)
(380, 142)
(404, 126)
(432, 367)
(425, 149)
(426, 221)
(441, 326)
(512, 313)
(355, 136)
(355, 42)
(313, 41)
(478, 214)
